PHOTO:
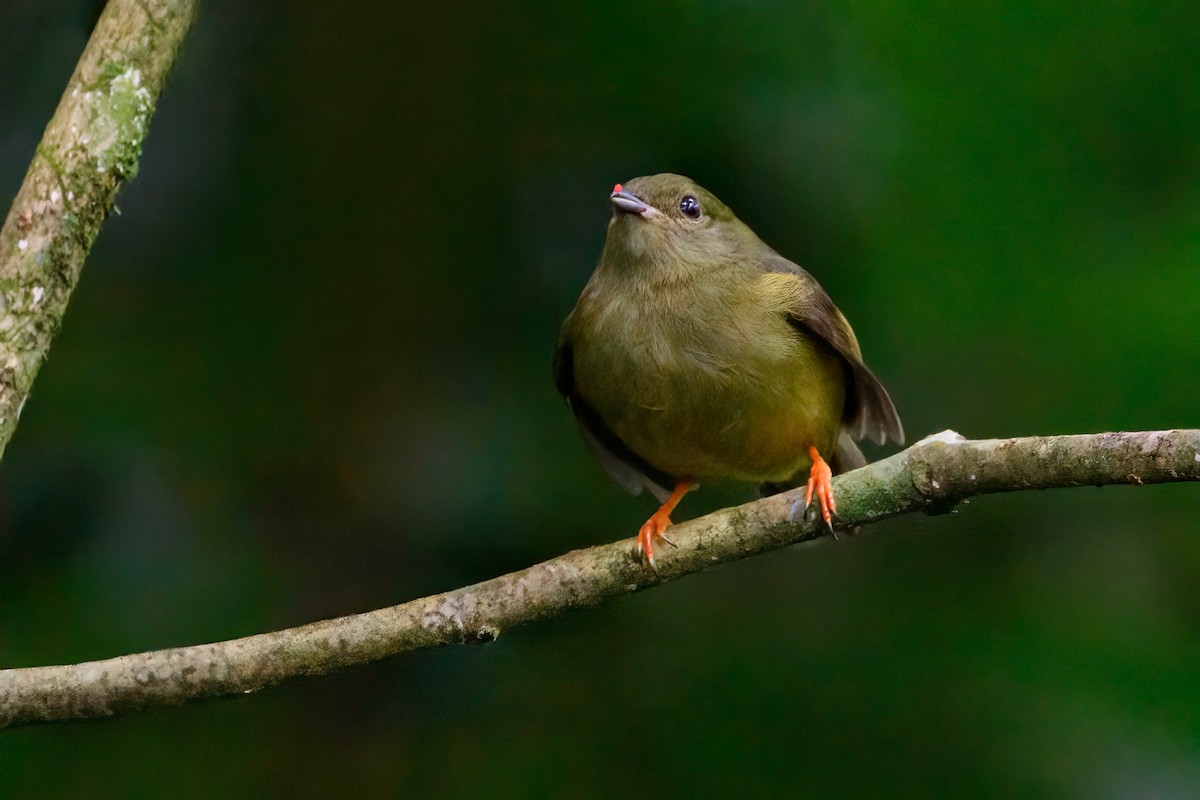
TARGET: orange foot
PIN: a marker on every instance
(653, 529)
(658, 523)
(820, 484)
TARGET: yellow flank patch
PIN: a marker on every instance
(783, 291)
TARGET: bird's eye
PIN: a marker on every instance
(690, 207)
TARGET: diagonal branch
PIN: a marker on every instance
(930, 476)
(90, 148)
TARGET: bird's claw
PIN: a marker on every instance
(819, 487)
(658, 523)
(653, 529)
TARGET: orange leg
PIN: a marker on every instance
(658, 523)
(819, 484)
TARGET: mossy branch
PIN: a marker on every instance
(930, 476)
(89, 149)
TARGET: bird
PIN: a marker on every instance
(697, 353)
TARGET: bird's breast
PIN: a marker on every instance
(706, 387)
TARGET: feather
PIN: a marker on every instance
(869, 409)
(626, 468)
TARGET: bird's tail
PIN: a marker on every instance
(847, 456)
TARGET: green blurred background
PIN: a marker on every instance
(306, 373)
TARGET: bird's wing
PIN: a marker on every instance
(869, 409)
(623, 465)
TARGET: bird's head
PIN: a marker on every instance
(669, 222)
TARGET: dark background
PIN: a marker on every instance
(306, 373)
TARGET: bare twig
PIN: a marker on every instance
(90, 148)
(931, 476)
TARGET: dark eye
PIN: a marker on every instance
(690, 207)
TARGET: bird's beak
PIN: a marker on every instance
(630, 203)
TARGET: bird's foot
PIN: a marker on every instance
(820, 486)
(652, 530)
(659, 522)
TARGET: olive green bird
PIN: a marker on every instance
(698, 353)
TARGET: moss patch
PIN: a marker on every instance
(121, 108)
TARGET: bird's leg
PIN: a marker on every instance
(658, 523)
(820, 484)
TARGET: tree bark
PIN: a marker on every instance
(930, 476)
(90, 148)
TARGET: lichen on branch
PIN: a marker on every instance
(120, 115)
(89, 149)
